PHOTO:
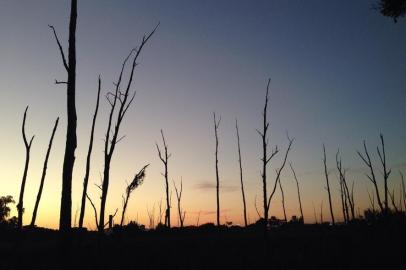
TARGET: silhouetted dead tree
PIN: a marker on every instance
(348, 197)
(392, 198)
(367, 160)
(136, 182)
(216, 126)
(265, 159)
(298, 192)
(20, 205)
(164, 158)
(386, 172)
(151, 217)
(181, 212)
(371, 200)
(321, 212)
(343, 202)
(242, 183)
(315, 213)
(198, 219)
(44, 172)
(328, 184)
(122, 101)
(71, 140)
(94, 209)
(279, 171)
(403, 190)
(88, 158)
(283, 200)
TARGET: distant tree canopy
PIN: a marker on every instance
(392, 8)
(4, 209)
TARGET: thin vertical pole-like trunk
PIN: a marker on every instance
(298, 191)
(88, 159)
(20, 205)
(44, 171)
(216, 126)
(386, 173)
(328, 185)
(179, 198)
(241, 178)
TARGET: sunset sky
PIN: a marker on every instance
(338, 77)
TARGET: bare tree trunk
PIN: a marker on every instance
(328, 185)
(216, 126)
(242, 183)
(298, 192)
(283, 201)
(342, 201)
(179, 198)
(386, 173)
(44, 171)
(123, 100)
(164, 158)
(348, 198)
(20, 205)
(265, 159)
(88, 159)
(403, 190)
(372, 178)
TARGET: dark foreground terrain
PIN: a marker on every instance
(358, 246)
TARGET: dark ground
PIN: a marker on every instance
(358, 246)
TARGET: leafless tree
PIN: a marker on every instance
(151, 217)
(122, 101)
(403, 190)
(241, 179)
(71, 140)
(386, 172)
(283, 200)
(348, 196)
(136, 182)
(198, 219)
(216, 126)
(392, 198)
(181, 212)
(265, 158)
(88, 158)
(328, 184)
(321, 212)
(371, 200)
(315, 213)
(20, 205)
(367, 160)
(160, 211)
(298, 192)
(44, 172)
(164, 157)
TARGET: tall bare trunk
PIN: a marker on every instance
(164, 158)
(20, 205)
(283, 200)
(298, 192)
(88, 159)
(328, 185)
(44, 171)
(241, 179)
(216, 126)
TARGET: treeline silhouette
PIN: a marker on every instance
(378, 233)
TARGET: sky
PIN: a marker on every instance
(337, 77)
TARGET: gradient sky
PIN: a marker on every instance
(338, 77)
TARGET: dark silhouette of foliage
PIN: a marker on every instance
(136, 182)
(394, 9)
(20, 205)
(4, 208)
(44, 171)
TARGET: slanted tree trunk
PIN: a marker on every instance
(241, 179)
(216, 126)
(71, 141)
(164, 158)
(122, 100)
(88, 159)
(283, 201)
(298, 192)
(20, 205)
(136, 182)
(44, 171)
(328, 185)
